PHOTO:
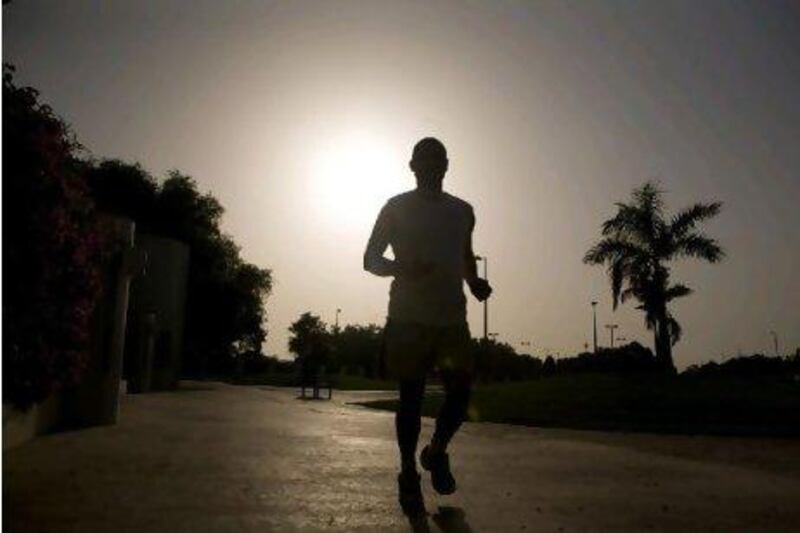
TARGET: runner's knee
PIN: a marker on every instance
(411, 394)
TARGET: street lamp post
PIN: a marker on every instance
(611, 328)
(486, 301)
(774, 341)
(336, 326)
(594, 324)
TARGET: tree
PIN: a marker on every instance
(356, 348)
(499, 361)
(125, 189)
(51, 250)
(225, 316)
(251, 285)
(549, 366)
(637, 245)
(310, 343)
(631, 358)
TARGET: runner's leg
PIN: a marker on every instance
(457, 386)
(407, 421)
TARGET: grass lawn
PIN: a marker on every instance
(640, 403)
(348, 382)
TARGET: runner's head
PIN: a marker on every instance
(429, 161)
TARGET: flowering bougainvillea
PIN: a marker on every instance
(51, 250)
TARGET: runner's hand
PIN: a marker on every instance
(480, 288)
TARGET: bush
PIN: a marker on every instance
(51, 250)
(751, 366)
(631, 358)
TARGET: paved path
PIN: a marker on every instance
(215, 457)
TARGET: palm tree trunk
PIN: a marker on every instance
(656, 343)
(664, 344)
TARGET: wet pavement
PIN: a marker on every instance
(215, 457)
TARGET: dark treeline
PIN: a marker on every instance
(752, 366)
(356, 350)
(53, 247)
(630, 358)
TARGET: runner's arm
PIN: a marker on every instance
(374, 260)
(470, 263)
(479, 287)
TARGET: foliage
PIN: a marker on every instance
(632, 358)
(52, 247)
(498, 361)
(310, 343)
(750, 366)
(225, 315)
(549, 366)
(257, 368)
(51, 250)
(357, 349)
(637, 244)
(251, 285)
(124, 189)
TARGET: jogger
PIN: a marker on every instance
(430, 233)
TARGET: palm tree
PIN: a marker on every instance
(638, 243)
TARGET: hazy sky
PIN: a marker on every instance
(300, 118)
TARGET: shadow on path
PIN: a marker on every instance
(447, 519)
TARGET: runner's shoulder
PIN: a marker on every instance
(410, 198)
(459, 203)
(399, 200)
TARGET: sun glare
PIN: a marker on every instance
(353, 176)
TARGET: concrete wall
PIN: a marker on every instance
(21, 426)
(154, 347)
(94, 400)
(138, 324)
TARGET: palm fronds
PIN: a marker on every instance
(636, 245)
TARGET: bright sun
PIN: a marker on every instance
(353, 176)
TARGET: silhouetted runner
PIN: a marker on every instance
(430, 233)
